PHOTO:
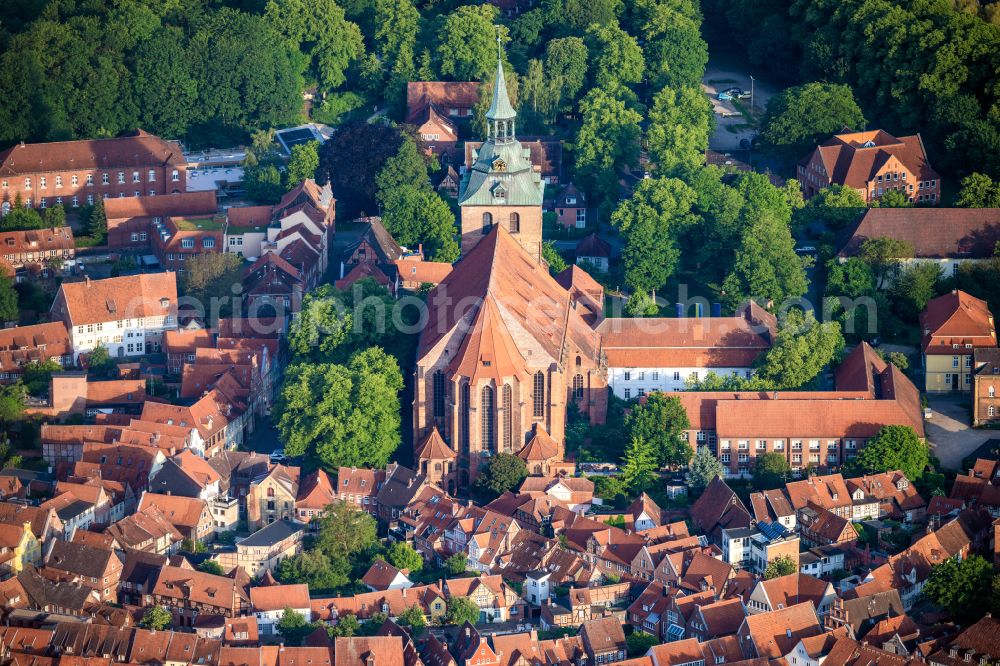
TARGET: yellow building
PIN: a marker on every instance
(953, 326)
(18, 546)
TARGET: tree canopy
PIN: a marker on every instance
(504, 472)
(704, 467)
(801, 117)
(661, 421)
(780, 566)
(895, 447)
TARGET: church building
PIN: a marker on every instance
(502, 188)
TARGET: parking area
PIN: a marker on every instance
(949, 430)
(731, 125)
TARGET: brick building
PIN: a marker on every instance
(132, 222)
(953, 326)
(27, 344)
(873, 162)
(78, 173)
(985, 386)
(36, 246)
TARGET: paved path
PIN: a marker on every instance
(948, 430)
(723, 72)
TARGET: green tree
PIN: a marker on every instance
(320, 30)
(565, 70)
(852, 279)
(413, 618)
(248, 76)
(293, 626)
(895, 447)
(913, 288)
(357, 147)
(552, 257)
(345, 531)
(770, 470)
(978, 191)
(456, 564)
(466, 42)
(607, 142)
(156, 618)
(347, 626)
(894, 199)
(780, 566)
(402, 556)
(302, 164)
(36, 375)
(12, 399)
(8, 300)
(212, 567)
(836, 207)
(766, 267)
(680, 123)
(639, 466)
(211, 279)
(99, 361)
(957, 586)
(164, 83)
(661, 421)
(704, 467)
(54, 217)
(461, 610)
(802, 348)
(676, 54)
(343, 415)
(641, 304)
(884, 255)
(97, 222)
(651, 221)
(801, 117)
(638, 643)
(263, 182)
(21, 219)
(418, 215)
(616, 57)
(504, 472)
(397, 24)
(315, 569)
(407, 168)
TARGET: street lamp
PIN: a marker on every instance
(751, 91)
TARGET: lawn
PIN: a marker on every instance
(215, 223)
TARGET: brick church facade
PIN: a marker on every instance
(505, 347)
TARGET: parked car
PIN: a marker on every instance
(724, 97)
(806, 249)
(278, 456)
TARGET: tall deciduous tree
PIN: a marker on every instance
(978, 191)
(466, 42)
(320, 30)
(164, 84)
(766, 267)
(884, 255)
(661, 421)
(651, 221)
(801, 117)
(894, 447)
(345, 531)
(357, 147)
(420, 216)
(504, 472)
(247, 75)
(802, 349)
(639, 465)
(770, 471)
(616, 57)
(680, 123)
(780, 566)
(836, 207)
(8, 300)
(302, 164)
(957, 586)
(607, 142)
(402, 556)
(676, 54)
(565, 70)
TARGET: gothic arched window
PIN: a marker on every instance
(508, 418)
(439, 395)
(515, 223)
(487, 422)
(487, 222)
(577, 386)
(538, 399)
(463, 418)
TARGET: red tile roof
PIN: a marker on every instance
(854, 158)
(112, 299)
(956, 318)
(180, 204)
(135, 150)
(934, 233)
(23, 344)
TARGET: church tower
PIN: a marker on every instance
(502, 187)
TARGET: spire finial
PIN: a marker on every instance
(499, 42)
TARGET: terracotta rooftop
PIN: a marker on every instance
(138, 149)
(24, 344)
(956, 318)
(854, 158)
(934, 233)
(177, 204)
(112, 299)
(775, 633)
(277, 597)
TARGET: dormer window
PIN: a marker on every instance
(499, 192)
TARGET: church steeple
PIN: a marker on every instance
(501, 113)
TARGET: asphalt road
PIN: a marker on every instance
(723, 72)
(949, 430)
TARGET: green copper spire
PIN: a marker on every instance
(501, 113)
